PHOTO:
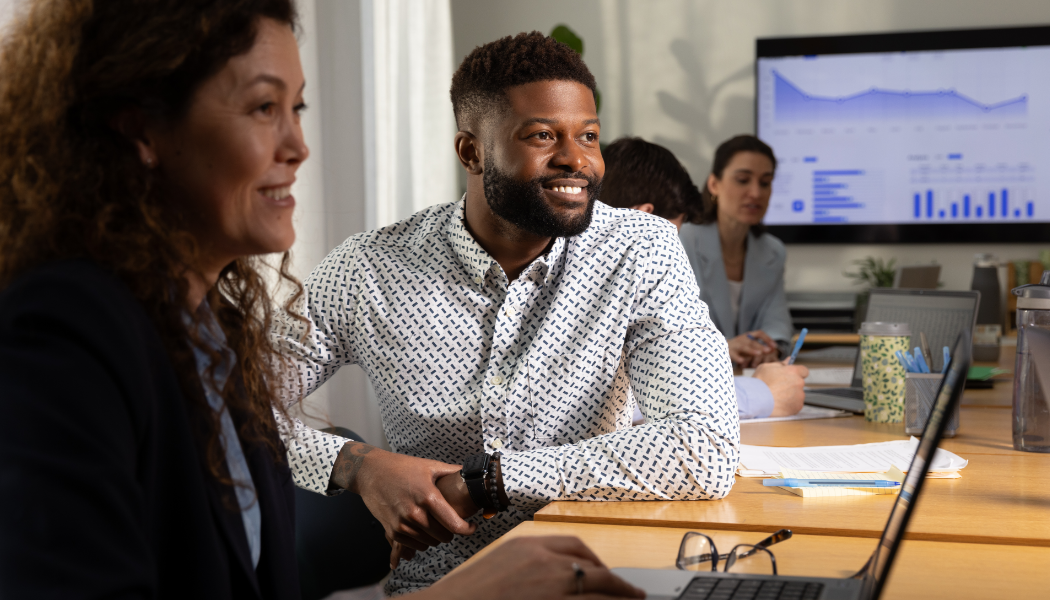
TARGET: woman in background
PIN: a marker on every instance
(739, 266)
(147, 152)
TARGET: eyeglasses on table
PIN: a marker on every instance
(697, 552)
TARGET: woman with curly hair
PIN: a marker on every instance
(147, 152)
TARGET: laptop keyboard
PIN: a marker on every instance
(853, 393)
(710, 588)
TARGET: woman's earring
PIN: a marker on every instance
(149, 162)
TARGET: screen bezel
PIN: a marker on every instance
(924, 233)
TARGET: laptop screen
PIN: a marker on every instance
(947, 398)
(940, 315)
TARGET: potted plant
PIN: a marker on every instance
(875, 273)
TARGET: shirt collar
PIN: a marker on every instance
(478, 262)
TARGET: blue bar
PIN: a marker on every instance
(851, 172)
(818, 186)
(978, 211)
(819, 179)
(810, 159)
(833, 199)
(820, 212)
(966, 205)
(844, 205)
(824, 192)
(955, 157)
(1006, 208)
(991, 204)
(1031, 209)
(830, 220)
(940, 213)
(955, 210)
(918, 206)
(1017, 212)
(929, 203)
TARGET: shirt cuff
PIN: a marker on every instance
(753, 397)
(311, 454)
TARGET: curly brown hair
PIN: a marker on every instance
(71, 186)
(479, 83)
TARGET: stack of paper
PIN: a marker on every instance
(807, 412)
(893, 474)
(763, 461)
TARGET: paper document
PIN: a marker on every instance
(807, 412)
(764, 461)
(821, 376)
(827, 492)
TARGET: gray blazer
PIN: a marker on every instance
(763, 304)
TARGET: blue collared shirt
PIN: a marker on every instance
(212, 335)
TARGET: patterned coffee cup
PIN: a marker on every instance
(881, 372)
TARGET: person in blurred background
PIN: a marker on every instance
(147, 153)
(647, 177)
(740, 266)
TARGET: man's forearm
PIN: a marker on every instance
(348, 465)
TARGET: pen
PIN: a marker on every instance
(906, 362)
(926, 354)
(755, 339)
(920, 362)
(880, 483)
(798, 346)
(947, 359)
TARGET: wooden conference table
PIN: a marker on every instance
(986, 534)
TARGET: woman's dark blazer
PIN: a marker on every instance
(103, 491)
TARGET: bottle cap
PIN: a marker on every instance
(1034, 295)
(883, 328)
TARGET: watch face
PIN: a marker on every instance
(476, 465)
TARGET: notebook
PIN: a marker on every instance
(940, 315)
(867, 584)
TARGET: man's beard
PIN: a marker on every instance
(523, 203)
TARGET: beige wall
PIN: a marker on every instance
(680, 73)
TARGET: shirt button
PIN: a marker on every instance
(496, 380)
(510, 310)
(477, 280)
(497, 443)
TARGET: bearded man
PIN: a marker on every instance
(511, 334)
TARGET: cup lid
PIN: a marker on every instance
(883, 328)
(1034, 290)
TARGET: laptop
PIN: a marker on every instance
(867, 584)
(940, 315)
(918, 277)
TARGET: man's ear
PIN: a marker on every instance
(469, 152)
(646, 208)
(131, 123)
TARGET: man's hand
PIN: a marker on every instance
(401, 492)
(456, 494)
(533, 568)
(754, 350)
(786, 383)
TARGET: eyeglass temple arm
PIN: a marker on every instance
(776, 538)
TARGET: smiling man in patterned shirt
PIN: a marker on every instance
(526, 318)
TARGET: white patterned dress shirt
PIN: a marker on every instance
(546, 368)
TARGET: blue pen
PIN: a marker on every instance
(869, 483)
(947, 359)
(905, 362)
(798, 346)
(920, 361)
(753, 338)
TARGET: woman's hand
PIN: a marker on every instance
(752, 349)
(401, 491)
(533, 568)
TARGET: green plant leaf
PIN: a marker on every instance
(563, 34)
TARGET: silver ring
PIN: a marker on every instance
(578, 573)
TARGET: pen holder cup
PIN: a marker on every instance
(920, 393)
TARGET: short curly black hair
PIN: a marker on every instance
(481, 81)
(641, 172)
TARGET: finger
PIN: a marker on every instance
(800, 370)
(416, 531)
(446, 516)
(410, 542)
(439, 469)
(570, 546)
(437, 531)
(602, 582)
(762, 335)
(395, 555)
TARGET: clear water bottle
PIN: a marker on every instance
(1031, 411)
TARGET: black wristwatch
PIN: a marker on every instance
(475, 470)
(484, 480)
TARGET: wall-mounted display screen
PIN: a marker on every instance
(908, 137)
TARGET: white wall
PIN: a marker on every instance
(680, 73)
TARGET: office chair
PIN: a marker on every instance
(338, 543)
